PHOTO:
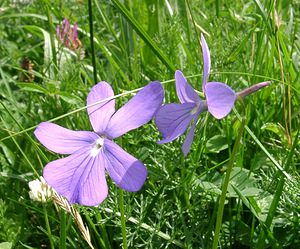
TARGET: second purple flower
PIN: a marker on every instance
(172, 120)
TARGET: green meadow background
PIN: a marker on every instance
(135, 42)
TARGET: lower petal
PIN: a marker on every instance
(126, 171)
(173, 119)
(186, 146)
(220, 99)
(79, 177)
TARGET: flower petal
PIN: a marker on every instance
(220, 99)
(79, 177)
(61, 140)
(173, 119)
(138, 111)
(125, 170)
(100, 114)
(186, 146)
(185, 92)
(206, 62)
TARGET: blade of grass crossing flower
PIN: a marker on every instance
(76, 110)
(225, 185)
(277, 194)
(143, 34)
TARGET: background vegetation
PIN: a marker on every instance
(136, 42)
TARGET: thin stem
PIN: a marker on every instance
(92, 40)
(123, 225)
(63, 235)
(48, 227)
(225, 186)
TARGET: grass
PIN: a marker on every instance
(135, 42)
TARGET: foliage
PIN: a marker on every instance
(137, 42)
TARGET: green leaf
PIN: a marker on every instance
(216, 144)
(32, 87)
(5, 245)
(244, 181)
(210, 187)
(10, 156)
(69, 98)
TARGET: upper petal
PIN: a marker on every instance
(79, 177)
(206, 62)
(100, 114)
(137, 111)
(185, 92)
(220, 99)
(126, 171)
(61, 140)
(173, 119)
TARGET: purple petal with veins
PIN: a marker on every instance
(186, 146)
(206, 62)
(79, 177)
(137, 111)
(185, 92)
(125, 170)
(61, 140)
(220, 99)
(172, 120)
(100, 114)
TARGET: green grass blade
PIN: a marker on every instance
(143, 34)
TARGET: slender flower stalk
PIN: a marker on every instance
(225, 186)
(173, 119)
(123, 222)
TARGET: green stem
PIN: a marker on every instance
(225, 186)
(48, 227)
(123, 225)
(92, 40)
(63, 235)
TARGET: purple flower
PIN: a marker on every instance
(172, 120)
(80, 177)
(68, 35)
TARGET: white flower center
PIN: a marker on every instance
(97, 147)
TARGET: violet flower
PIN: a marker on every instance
(68, 35)
(80, 177)
(172, 120)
